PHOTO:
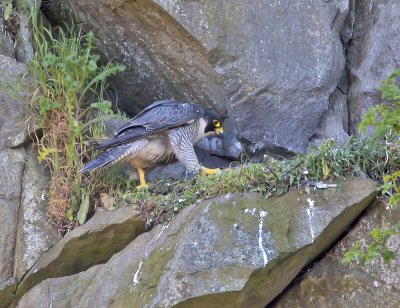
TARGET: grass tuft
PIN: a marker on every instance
(69, 102)
(273, 177)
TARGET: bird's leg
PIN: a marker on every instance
(208, 171)
(142, 180)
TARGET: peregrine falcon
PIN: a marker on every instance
(161, 133)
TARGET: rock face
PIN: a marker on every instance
(278, 74)
(270, 66)
(230, 252)
(13, 106)
(12, 132)
(11, 165)
(7, 291)
(377, 285)
(160, 64)
(95, 242)
(34, 235)
(11, 168)
(372, 54)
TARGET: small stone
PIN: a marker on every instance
(147, 225)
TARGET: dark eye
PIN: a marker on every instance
(216, 123)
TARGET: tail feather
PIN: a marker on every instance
(106, 158)
(123, 138)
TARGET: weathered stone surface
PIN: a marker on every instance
(6, 39)
(372, 55)
(44, 297)
(7, 291)
(11, 168)
(271, 66)
(335, 121)
(278, 74)
(160, 64)
(24, 48)
(34, 235)
(13, 109)
(228, 252)
(12, 131)
(93, 243)
(377, 285)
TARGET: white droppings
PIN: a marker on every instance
(227, 196)
(162, 230)
(310, 202)
(310, 223)
(252, 211)
(135, 277)
(260, 243)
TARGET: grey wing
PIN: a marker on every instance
(162, 115)
(183, 148)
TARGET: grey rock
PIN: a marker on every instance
(6, 41)
(335, 122)
(35, 234)
(11, 168)
(13, 103)
(12, 131)
(376, 285)
(93, 243)
(159, 64)
(24, 48)
(69, 284)
(6, 37)
(7, 292)
(232, 251)
(173, 171)
(372, 54)
(278, 74)
(271, 67)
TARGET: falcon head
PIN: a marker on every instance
(212, 123)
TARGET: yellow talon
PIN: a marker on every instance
(208, 171)
(142, 180)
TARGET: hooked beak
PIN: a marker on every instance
(219, 131)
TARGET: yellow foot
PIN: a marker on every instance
(143, 183)
(141, 186)
(208, 171)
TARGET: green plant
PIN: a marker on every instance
(385, 119)
(8, 9)
(270, 178)
(69, 101)
(378, 248)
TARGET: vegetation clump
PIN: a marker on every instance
(70, 105)
(385, 118)
(329, 162)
